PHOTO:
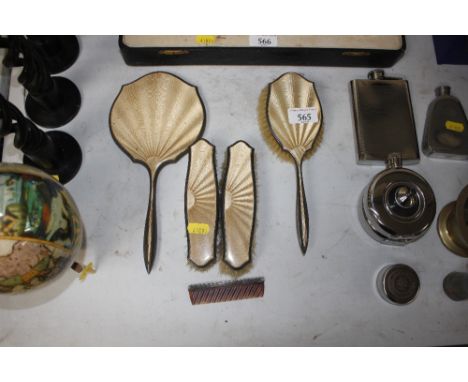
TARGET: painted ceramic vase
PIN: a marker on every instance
(40, 228)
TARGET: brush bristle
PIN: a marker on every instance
(225, 269)
(268, 137)
(265, 128)
(197, 268)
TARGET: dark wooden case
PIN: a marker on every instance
(169, 51)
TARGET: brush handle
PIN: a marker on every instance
(302, 214)
(151, 232)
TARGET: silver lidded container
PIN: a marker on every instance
(398, 205)
(398, 284)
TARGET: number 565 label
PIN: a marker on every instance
(302, 115)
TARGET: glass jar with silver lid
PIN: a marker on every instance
(398, 205)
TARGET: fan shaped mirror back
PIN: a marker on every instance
(156, 118)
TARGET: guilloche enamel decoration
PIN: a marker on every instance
(201, 195)
(239, 205)
(294, 118)
(154, 120)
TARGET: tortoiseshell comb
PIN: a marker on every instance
(226, 291)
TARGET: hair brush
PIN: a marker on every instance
(290, 117)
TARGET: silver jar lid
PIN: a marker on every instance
(398, 205)
(398, 284)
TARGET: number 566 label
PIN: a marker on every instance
(302, 115)
(263, 41)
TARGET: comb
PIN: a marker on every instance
(226, 291)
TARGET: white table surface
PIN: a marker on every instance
(327, 297)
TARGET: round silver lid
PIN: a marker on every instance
(400, 284)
